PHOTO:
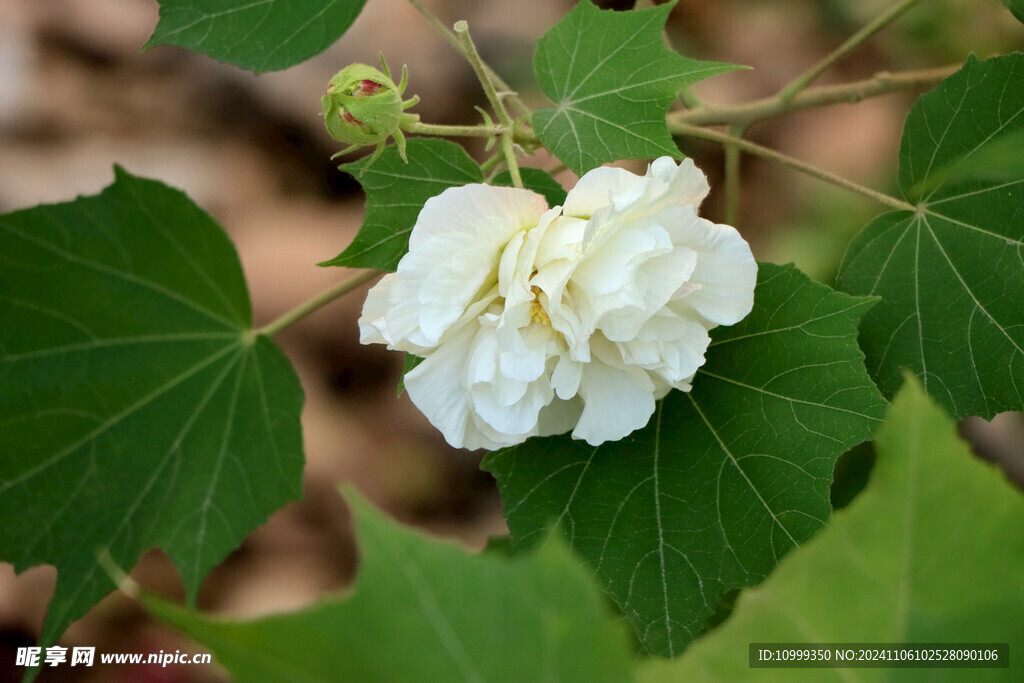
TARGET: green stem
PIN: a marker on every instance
(881, 21)
(690, 99)
(124, 583)
(510, 161)
(732, 175)
(491, 162)
(455, 131)
(470, 51)
(454, 41)
(468, 48)
(302, 310)
(796, 164)
(880, 84)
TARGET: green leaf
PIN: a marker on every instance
(932, 551)
(264, 35)
(409, 363)
(725, 480)
(1015, 6)
(951, 273)
(424, 610)
(537, 180)
(395, 193)
(612, 80)
(138, 408)
(999, 160)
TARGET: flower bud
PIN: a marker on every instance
(363, 106)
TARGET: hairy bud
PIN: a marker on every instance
(363, 107)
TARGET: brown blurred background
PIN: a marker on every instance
(76, 96)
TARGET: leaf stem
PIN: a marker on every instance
(796, 164)
(881, 83)
(302, 310)
(470, 51)
(852, 43)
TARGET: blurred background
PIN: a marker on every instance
(76, 96)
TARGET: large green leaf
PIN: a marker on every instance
(424, 610)
(261, 35)
(138, 407)
(725, 480)
(932, 551)
(612, 80)
(395, 193)
(951, 273)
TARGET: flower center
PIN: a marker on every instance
(537, 312)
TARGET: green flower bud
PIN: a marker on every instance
(364, 107)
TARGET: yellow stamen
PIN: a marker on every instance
(537, 312)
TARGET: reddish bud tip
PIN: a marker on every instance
(368, 87)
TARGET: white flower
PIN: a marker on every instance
(533, 321)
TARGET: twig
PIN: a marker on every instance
(732, 175)
(455, 131)
(878, 23)
(880, 84)
(468, 48)
(821, 174)
(453, 40)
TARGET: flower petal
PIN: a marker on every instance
(558, 417)
(616, 402)
(726, 270)
(456, 245)
(617, 398)
(436, 386)
(601, 188)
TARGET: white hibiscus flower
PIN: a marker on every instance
(533, 321)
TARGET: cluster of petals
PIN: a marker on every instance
(534, 321)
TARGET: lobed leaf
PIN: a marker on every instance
(260, 35)
(423, 610)
(932, 551)
(612, 80)
(951, 272)
(395, 193)
(138, 409)
(725, 480)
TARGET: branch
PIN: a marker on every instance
(468, 48)
(881, 21)
(444, 130)
(881, 83)
(454, 41)
(821, 174)
(732, 176)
